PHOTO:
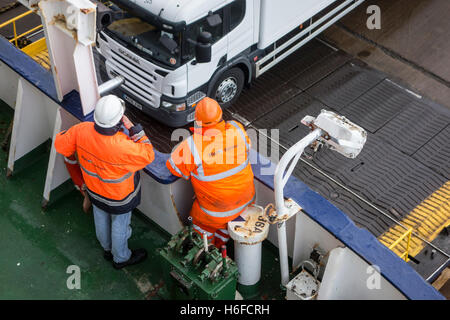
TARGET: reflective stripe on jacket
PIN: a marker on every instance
(217, 162)
(108, 164)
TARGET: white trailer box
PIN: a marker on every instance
(280, 17)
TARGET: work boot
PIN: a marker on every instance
(137, 256)
(107, 255)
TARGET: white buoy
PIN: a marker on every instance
(248, 236)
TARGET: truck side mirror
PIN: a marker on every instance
(203, 47)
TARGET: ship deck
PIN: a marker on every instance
(398, 91)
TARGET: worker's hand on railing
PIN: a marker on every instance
(127, 123)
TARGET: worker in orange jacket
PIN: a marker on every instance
(109, 162)
(216, 160)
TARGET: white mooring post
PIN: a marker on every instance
(70, 31)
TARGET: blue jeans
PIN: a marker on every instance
(113, 232)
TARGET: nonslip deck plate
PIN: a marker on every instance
(404, 161)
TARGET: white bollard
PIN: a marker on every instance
(248, 236)
(248, 260)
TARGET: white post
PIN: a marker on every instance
(344, 137)
(33, 122)
(280, 179)
(52, 160)
(56, 170)
(248, 261)
(70, 30)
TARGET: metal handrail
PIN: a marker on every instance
(20, 16)
(282, 173)
(24, 34)
(315, 168)
(13, 21)
(408, 234)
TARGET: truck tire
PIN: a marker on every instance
(228, 87)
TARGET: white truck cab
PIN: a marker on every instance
(172, 53)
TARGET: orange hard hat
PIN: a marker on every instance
(208, 112)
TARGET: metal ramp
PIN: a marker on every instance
(393, 185)
(400, 181)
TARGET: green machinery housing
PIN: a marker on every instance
(192, 271)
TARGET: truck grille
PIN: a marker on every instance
(138, 82)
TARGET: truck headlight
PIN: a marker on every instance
(174, 106)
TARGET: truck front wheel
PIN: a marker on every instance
(228, 87)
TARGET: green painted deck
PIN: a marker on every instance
(37, 246)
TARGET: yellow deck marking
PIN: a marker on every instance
(38, 51)
(427, 219)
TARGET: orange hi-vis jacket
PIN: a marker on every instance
(109, 163)
(216, 159)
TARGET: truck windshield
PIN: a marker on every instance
(161, 45)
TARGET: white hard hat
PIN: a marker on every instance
(109, 111)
